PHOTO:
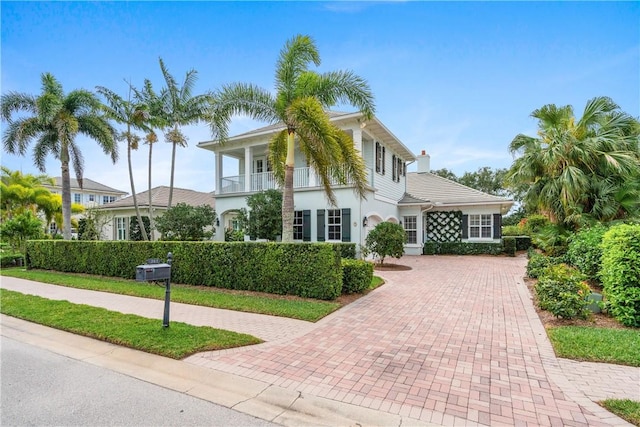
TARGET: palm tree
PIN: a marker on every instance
(573, 168)
(301, 102)
(54, 121)
(133, 115)
(149, 97)
(180, 108)
(21, 192)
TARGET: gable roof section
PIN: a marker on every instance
(373, 126)
(160, 198)
(87, 185)
(428, 188)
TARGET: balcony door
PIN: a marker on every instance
(261, 179)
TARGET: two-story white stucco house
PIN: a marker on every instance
(394, 195)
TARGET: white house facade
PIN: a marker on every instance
(388, 192)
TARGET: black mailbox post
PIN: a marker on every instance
(154, 271)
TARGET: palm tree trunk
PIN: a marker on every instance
(287, 194)
(151, 226)
(66, 199)
(133, 191)
(173, 168)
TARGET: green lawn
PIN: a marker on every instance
(292, 307)
(619, 346)
(177, 341)
(625, 409)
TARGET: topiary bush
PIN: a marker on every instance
(509, 244)
(386, 239)
(562, 291)
(356, 276)
(620, 273)
(584, 251)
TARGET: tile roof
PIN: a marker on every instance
(160, 198)
(426, 187)
(88, 184)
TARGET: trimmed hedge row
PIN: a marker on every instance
(311, 270)
(462, 248)
(356, 276)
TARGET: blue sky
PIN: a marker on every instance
(457, 79)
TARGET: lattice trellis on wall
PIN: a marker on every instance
(444, 226)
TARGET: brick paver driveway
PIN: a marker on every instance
(453, 341)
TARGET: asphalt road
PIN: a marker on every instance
(41, 388)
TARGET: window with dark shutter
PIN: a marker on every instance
(306, 226)
(320, 225)
(465, 226)
(346, 225)
(497, 226)
(394, 168)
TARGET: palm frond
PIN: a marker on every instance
(77, 160)
(346, 87)
(99, 129)
(12, 102)
(295, 57)
(19, 133)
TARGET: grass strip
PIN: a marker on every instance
(619, 346)
(624, 408)
(177, 341)
(291, 307)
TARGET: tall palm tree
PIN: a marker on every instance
(53, 121)
(301, 102)
(573, 168)
(180, 108)
(134, 116)
(149, 97)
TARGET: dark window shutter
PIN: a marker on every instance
(321, 225)
(394, 168)
(465, 226)
(497, 226)
(346, 225)
(383, 161)
(306, 226)
(377, 157)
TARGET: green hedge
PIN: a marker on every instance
(509, 243)
(347, 250)
(310, 270)
(461, 248)
(620, 273)
(356, 276)
(523, 243)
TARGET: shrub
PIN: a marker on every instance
(512, 230)
(562, 291)
(584, 251)
(462, 248)
(523, 243)
(347, 250)
(539, 262)
(620, 273)
(386, 239)
(356, 276)
(509, 243)
(534, 223)
(310, 270)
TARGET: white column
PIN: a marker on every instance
(357, 139)
(218, 177)
(247, 169)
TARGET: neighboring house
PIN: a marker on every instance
(122, 210)
(91, 194)
(392, 194)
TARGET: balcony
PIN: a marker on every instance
(302, 178)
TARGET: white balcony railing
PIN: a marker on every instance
(302, 178)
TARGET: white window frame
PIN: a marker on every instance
(410, 224)
(298, 229)
(92, 197)
(380, 158)
(121, 228)
(480, 226)
(334, 225)
(77, 198)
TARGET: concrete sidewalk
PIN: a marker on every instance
(454, 341)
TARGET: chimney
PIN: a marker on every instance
(424, 162)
